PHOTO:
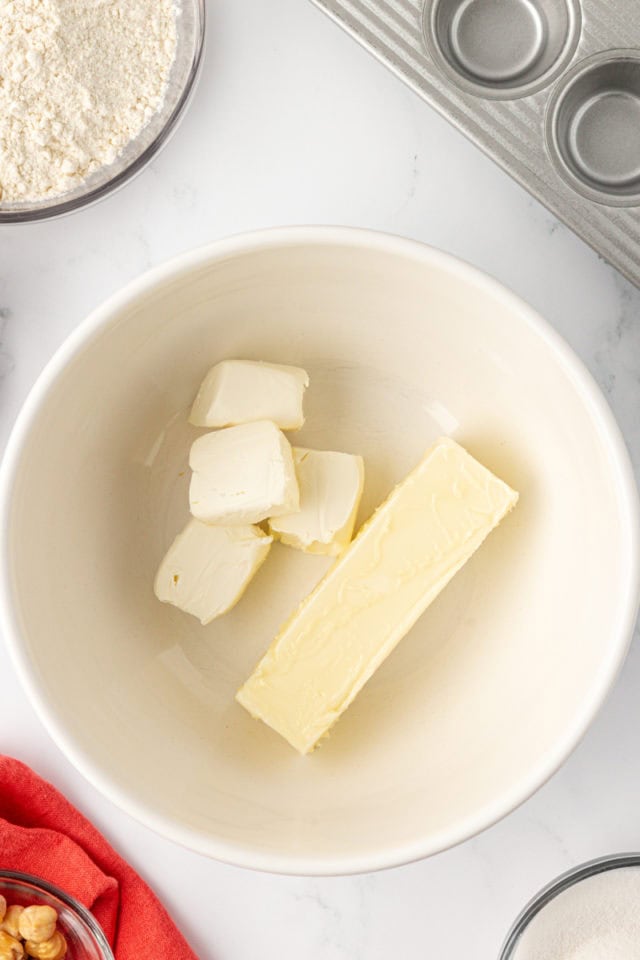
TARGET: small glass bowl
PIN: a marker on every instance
(85, 939)
(190, 27)
(557, 886)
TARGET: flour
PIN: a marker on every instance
(596, 919)
(79, 79)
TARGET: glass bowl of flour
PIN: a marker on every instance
(590, 913)
(91, 89)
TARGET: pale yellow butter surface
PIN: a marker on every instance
(400, 561)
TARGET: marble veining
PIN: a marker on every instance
(294, 123)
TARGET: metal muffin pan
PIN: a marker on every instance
(593, 128)
(501, 49)
(550, 89)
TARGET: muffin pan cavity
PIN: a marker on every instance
(593, 128)
(501, 49)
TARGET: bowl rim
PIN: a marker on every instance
(591, 868)
(61, 207)
(239, 853)
(78, 908)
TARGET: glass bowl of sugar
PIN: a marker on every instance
(589, 913)
(90, 93)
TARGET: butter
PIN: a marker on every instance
(400, 561)
(241, 391)
(242, 475)
(330, 490)
(206, 569)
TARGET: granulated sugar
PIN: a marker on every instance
(595, 919)
(79, 79)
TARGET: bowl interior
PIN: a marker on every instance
(493, 685)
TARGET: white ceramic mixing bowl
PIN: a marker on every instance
(489, 692)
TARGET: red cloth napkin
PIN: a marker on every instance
(41, 833)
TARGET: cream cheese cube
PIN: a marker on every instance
(242, 474)
(242, 391)
(207, 569)
(330, 490)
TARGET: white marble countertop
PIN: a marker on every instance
(294, 123)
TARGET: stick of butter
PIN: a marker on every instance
(400, 561)
(330, 490)
(240, 391)
(242, 474)
(207, 569)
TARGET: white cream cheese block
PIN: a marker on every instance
(330, 490)
(241, 391)
(206, 569)
(399, 562)
(242, 474)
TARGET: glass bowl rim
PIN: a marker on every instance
(558, 885)
(85, 915)
(59, 207)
